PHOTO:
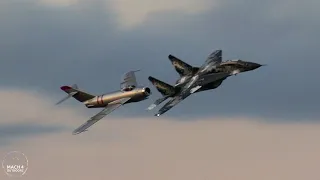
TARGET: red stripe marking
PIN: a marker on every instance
(102, 99)
(97, 100)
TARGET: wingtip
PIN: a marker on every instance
(78, 132)
(151, 107)
(150, 78)
(57, 103)
(75, 132)
(219, 52)
(65, 88)
(137, 70)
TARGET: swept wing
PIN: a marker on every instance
(100, 115)
(174, 101)
(157, 102)
(169, 105)
(189, 89)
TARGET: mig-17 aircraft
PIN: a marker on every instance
(129, 92)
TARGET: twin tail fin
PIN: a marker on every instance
(164, 88)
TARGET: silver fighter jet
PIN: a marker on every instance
(129, 92)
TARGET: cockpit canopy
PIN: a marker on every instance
(128, 88)
(234, 60)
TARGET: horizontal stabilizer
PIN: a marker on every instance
(69, 95)
(74, 92)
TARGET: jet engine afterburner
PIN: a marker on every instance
(147, 91)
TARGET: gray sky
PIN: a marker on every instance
(45, 44)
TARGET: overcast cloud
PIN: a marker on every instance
(148, 148)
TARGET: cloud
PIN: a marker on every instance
(134, 13)
(28, 113)
(156, 148)
(153, 149)
(58, 3)
(30, 105)
(15, 131)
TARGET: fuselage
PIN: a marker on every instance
(135, 95)
(185, 79)
(232, 66)
(236, 66)
(206, 87)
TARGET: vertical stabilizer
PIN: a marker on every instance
(164, 88)
(181, 67)
(74, 92)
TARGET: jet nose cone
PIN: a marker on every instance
(255, 66)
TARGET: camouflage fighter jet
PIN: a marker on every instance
(129, 92)
(212, 74)
(191, 81)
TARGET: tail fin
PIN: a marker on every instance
(181, 67)
(129, 81)
(164, 88)
(74, 92)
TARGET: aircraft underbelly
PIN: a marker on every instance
(210, 86)
(137, 98)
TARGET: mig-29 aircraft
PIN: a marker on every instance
(192, 80)
(213, 69)
(129, 92)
